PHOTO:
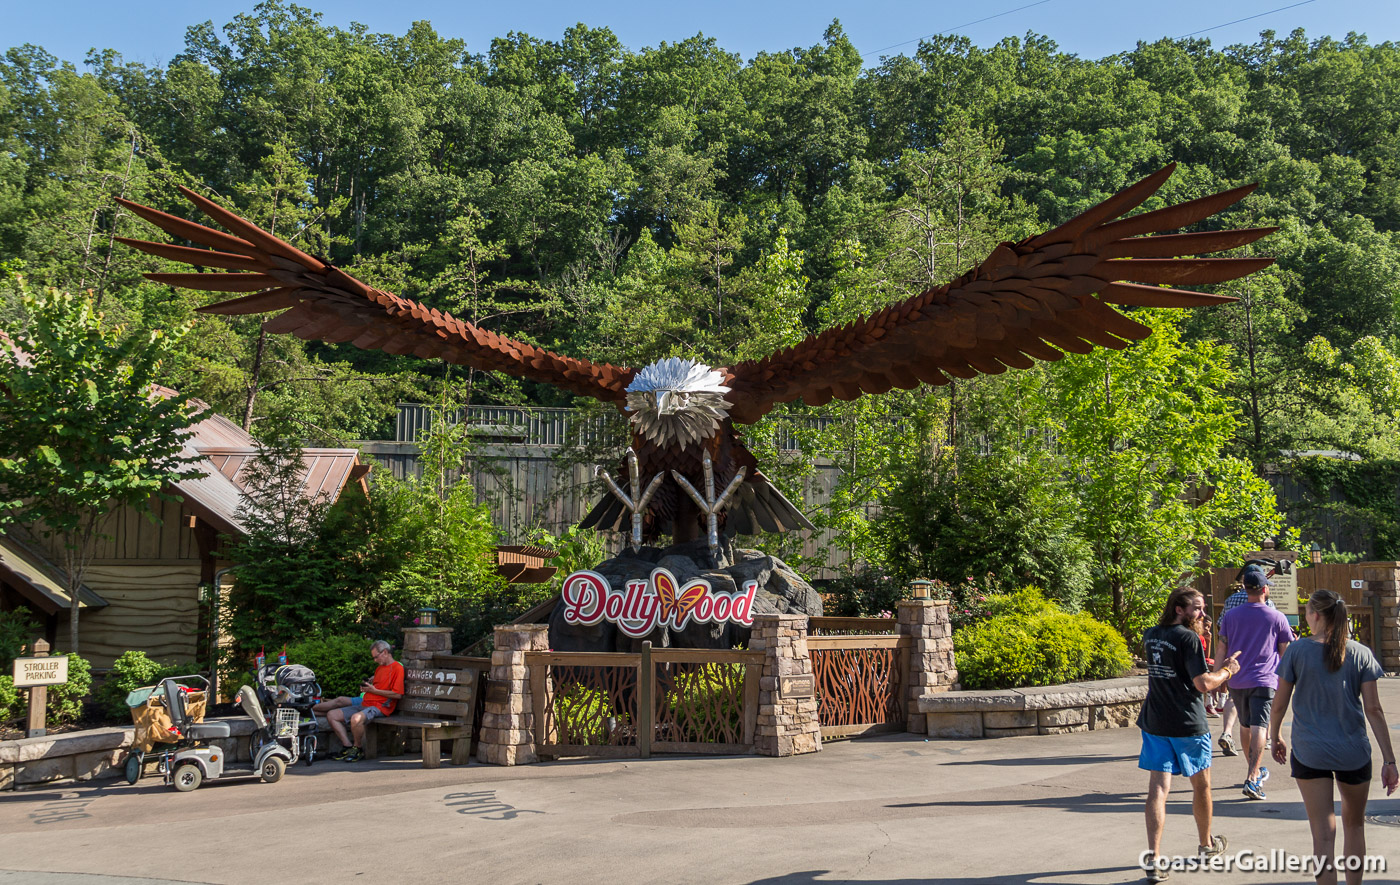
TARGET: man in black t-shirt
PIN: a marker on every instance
(1175, 736)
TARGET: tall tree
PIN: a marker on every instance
(87, 431)
(1136, 428)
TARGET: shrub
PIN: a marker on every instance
(1030, 641)
(1025, 603)
(864, 594)
(9, 699)
(957, 511)
(17, 628)
(66, 700)
(968, 602)
(341, 662)
(130, 671)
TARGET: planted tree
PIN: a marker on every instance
(86, 431)
(1140, 429)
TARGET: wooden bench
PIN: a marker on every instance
(440, 702)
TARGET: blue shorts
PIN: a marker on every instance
(357, 705)
(1175, 755)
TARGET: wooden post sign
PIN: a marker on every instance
(36, 674)
(1283, 579)
(30, 672)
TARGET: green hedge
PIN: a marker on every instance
(130, 671)
(1030, 641)
(17, 632)
(341, 662)
(66, 700)
(10, 706)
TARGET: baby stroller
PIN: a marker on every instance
(287, 692)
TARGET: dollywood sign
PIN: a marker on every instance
(643, 606)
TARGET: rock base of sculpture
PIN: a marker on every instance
(780, 591)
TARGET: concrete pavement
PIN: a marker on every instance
(895, 809)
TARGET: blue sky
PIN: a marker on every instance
(151, 31)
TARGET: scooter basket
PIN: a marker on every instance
(152, 718)
(286, 723)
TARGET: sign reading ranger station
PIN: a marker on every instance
(31, 672)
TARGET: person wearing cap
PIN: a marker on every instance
(1228, 714)
(1259, 634)
(1241, 596)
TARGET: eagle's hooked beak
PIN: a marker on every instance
(666, 402)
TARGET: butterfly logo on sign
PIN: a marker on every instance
(675, 607)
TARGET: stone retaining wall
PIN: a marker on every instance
(1051, 709)
(100, 752)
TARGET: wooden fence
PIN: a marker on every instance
(1363, 611)
(860, 675)
(672, 700)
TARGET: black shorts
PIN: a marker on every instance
(1253, 705)
(1356, 776)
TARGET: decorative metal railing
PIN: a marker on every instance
(663, 700)
(860, 683)
(850, 626)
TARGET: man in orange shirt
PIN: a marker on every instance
(381, 695)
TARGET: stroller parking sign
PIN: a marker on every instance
(31, 672)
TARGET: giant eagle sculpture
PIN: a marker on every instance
(1038, 299)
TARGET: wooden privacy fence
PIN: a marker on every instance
(861, 676)
(671, 700)
(1363, 609)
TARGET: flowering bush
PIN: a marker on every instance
(967, 599)
(862, 595)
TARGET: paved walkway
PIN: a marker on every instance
(896, 809)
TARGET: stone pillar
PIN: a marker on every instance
(931, 669)
(419, 646)
(508, 725)
(786, 726)
(421, 643)
(1383, 583)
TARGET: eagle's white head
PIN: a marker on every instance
(677, 401)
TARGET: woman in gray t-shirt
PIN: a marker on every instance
(1331, 683)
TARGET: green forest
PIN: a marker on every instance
(625, 204)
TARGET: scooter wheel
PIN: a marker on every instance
(188, 777)
(133, 768)
(273, 769)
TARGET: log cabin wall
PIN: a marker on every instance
(149, 571)
(152, 607)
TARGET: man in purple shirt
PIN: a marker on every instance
(1258, 633)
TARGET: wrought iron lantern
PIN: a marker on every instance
(1315, 554)
(427, 616)
(920, 588)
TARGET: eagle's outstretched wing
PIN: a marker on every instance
(1036, 299)
(328, 304)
